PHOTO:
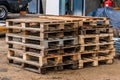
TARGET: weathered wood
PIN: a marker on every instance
(55, 41)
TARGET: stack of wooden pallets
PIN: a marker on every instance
(41, 43)
(96, 42)
(95, 39)
(38, 44)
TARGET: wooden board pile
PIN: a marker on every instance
(58, 42)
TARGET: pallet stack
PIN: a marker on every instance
(95, 39)
(47, 42)
(96, 42)
(37, 44)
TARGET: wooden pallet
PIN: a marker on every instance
(41, 25)
(94, 23)
(39, 60)
(73, 17)
(105, 38)
(82, 20)
(87, 17)
(106, 53)
(93, 59)
(96, 54)
(96, 58)
(105, 30)
(96, 47)
(66, 19)
(56, 51)
(88, 39)
(43, 35)
(106, 46)
(87, 55)
(43, 70)
(88, 47)
(91, 31)
(94, 63)
(95, 38)
(39, 64)
(42, 44)
(18, 50)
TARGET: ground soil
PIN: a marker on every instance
(102, 72)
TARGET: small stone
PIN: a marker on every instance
(3, 70)
(5, 78)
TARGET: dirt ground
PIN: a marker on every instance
(103, 72)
